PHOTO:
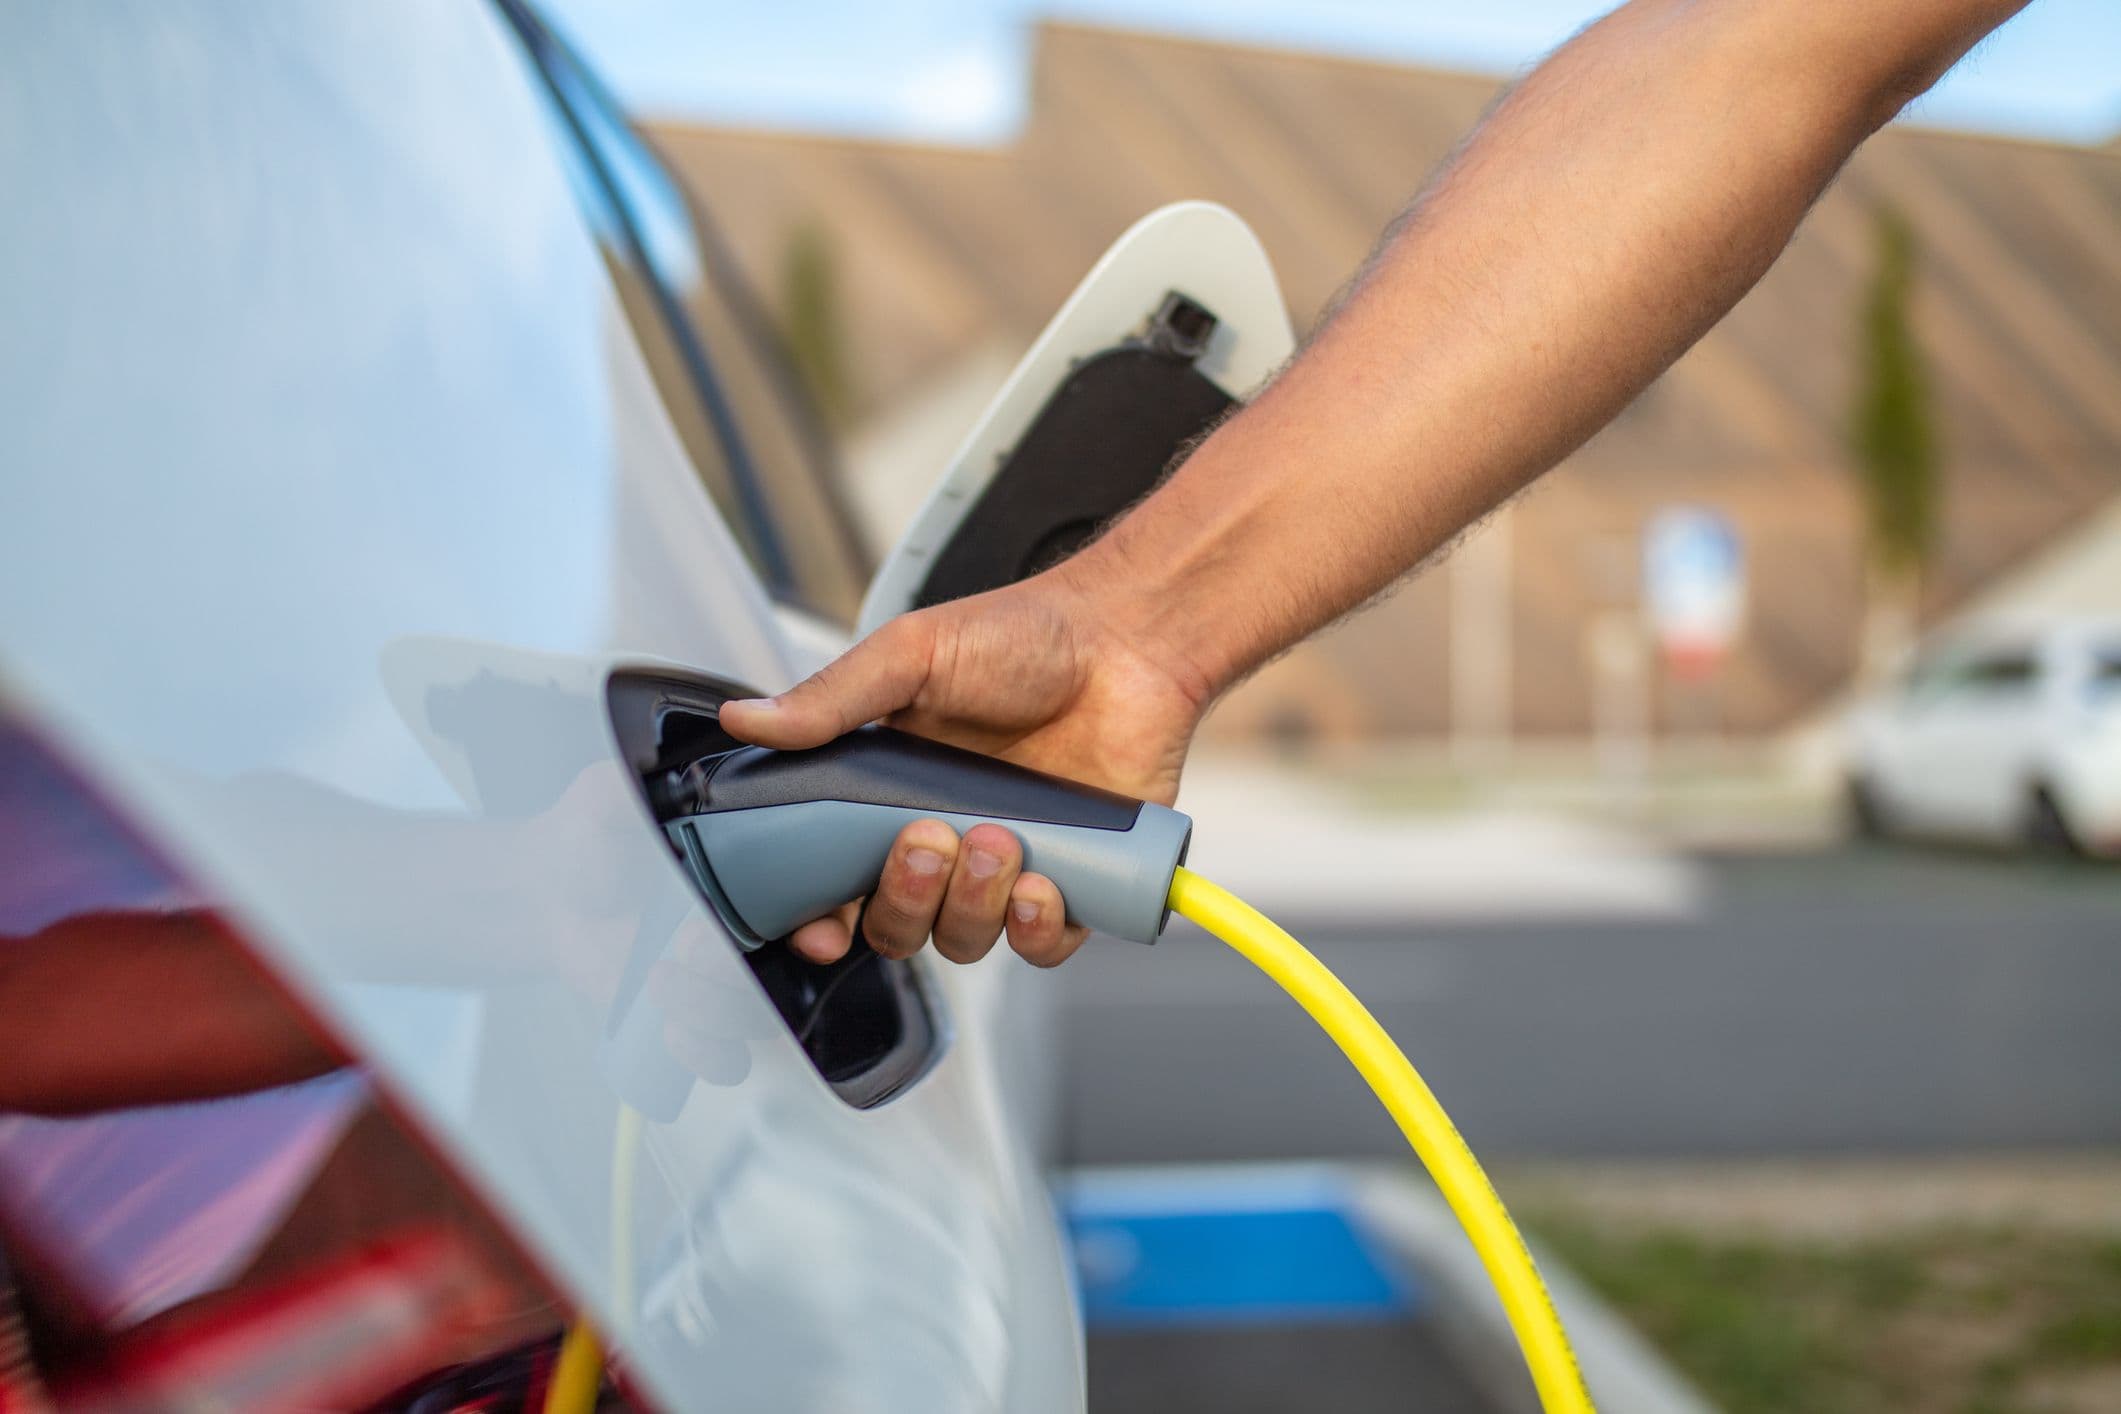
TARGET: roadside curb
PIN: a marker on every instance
(1623, 1372)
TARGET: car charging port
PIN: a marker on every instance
(866, 1023)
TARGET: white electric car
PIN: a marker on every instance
(2002, 734)
(393, 477)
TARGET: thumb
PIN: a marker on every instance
(873, 679)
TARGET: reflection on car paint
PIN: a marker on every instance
(272, 1239)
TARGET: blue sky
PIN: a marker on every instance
(954, 70)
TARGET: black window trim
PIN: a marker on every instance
(547, 51)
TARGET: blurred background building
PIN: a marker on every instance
(911, 276)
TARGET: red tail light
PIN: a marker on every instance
(204, 1201)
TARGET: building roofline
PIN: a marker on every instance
(1047, 27)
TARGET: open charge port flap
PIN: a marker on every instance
(1101, 442)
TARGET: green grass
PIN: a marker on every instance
(1955, 1321)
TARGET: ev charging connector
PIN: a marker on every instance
(778, 838)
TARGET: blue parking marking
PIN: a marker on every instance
(1209, 1248)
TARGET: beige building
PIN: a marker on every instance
(947, 259)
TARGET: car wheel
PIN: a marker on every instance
(1866, 817)
(2047, 829)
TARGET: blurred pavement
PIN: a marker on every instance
(1568, 992)
(1297, 844)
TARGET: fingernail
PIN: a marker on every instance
(1025, 910)
(982, 865)
(757, 704)
(924, 861)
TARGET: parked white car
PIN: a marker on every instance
(2002, 734)
(397, 476)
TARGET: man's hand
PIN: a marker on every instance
(1054, 673)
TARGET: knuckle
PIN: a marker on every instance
(898, 913)
(896, 633)
(1054, 945)
(909, 900)
(892, 945)
(906, 635)
(964, 943)
(891, 924)
(970, 918)
(1031, 940)
(818, 685)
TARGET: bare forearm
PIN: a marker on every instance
(1615, 205)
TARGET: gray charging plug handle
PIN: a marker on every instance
(790, 836)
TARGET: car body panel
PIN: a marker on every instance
(318, 406)
(1960, 751)
(2083, 766)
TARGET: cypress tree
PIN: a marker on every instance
(1894, 442)
(811, 321)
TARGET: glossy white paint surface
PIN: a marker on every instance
(334, 484)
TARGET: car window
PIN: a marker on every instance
(1982, 673)
(2013, 670)
(729, 389)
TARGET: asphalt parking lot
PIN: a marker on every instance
(1351, 1369)
(1863, 1000)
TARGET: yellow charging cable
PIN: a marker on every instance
(578, 1372)
(1435, 1139)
